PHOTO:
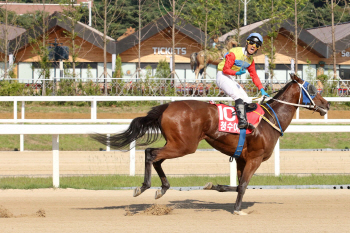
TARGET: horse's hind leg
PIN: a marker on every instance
(150, 155)
(165, 184)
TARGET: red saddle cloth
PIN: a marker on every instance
(228, 122)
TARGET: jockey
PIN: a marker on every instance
(236, 62)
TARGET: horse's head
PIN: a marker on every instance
(230, 42)
(310, 96)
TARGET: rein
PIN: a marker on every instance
(302, 88)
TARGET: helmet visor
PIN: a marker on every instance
(254, 40)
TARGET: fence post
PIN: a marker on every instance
(55, 161)
(277, 158)
(21, 136)
(93, 109)
(15, 109)
(132, 158)
(233, 173)
(297, 114)
(108, 148)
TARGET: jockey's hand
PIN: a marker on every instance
(241, 71)
(263, 92)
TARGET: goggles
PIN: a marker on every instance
(257, 43)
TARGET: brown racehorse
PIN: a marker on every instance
(214, 56)
(184, 124)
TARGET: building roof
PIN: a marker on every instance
(341, 34)
(84, 31)
(243, 30)
(157, 26)
(286, 28)
(325, 33)
(12, 31)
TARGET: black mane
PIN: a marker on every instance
(280, 92)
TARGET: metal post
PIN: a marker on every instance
(277, 158)
(114, 57)
(132, 158)
(233, 173)
(245, 12)
(61, 69)
(55, 161)
(89, 13)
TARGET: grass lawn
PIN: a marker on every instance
(115, 181)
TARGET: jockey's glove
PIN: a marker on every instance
(263, 92)
(241, 71)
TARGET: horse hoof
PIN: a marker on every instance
(137, 192)
(239, 213)
(159, 194)
(208, 186)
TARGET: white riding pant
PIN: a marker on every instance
(228, 84)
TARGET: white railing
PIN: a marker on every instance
(55, 130)
(95, 99)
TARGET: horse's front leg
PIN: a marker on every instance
(226, 188)
(220, 188)
(249, 170)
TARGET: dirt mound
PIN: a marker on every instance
(153, 210)
(5, 213)
(40, 213)
(158, 210)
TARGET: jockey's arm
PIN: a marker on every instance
(230, 60)
(254, 75)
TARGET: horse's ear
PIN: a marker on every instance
(295, 78)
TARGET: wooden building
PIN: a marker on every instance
(314, 50)
(88, 47)
(156, 45)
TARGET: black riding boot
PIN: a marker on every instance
(241, 115)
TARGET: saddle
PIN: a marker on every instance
(228, 121)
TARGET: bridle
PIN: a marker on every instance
(303, 91)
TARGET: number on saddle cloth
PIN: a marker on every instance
(228, 121)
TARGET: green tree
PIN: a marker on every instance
(163, 69)
(71, 15)
(277, 12)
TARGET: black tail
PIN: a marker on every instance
(149, 125)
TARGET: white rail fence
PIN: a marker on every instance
(55, 129)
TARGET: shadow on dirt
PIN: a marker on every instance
(191, 204)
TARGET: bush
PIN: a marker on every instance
(8, 88)
(163, 69)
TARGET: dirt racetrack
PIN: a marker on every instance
(68, 210)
